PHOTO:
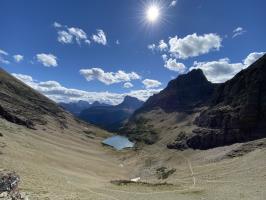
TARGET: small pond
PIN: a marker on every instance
(118, 142)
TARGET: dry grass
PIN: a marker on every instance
(66, 164)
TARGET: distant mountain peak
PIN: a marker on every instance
(130, 102)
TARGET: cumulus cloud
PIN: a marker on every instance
(252, 57)
(68, 35)
(223, 70)
(173, 65)
(48, 60)
(162, 46)
(3, 54)
(194, 45)
(78, 34)
(64, 37)
(218, 71)
(173, 3)
(108, 78)
(238, 31)
(128, 85)
(59, 93)
(24, 78)
(100, 37)
(149, 83)
(18, 58)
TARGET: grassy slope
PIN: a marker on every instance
(56, 164)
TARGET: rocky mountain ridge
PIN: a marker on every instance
(111, 117)
(227, 113)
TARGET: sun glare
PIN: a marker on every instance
(152, 13)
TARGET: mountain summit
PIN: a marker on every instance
(184, 93)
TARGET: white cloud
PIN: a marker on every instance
(48, 60)
(152, 47)
(128, 85)
(171, 64)
(49, 84)
(59, 93)
(173, 3)
(218, 71)
(117, 42)
(57, 25)
(252, 57)
(64, 37)
(238, 31)
(108, 78)
(149, 83)
(100, 37)
(3, 52)
(223, 70)
(162, 46)
(18, 58)
(194, 45)
(78, 34)
(2, 57)
(165, 57)
(24, 78)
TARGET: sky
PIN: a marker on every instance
(103, 50)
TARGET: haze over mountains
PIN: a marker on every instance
(76, 107)
(110, 117)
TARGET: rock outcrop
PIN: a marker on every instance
(237, 112)
(9, 182)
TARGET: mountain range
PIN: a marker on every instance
(110, 117)
(214, 114)
(76, 107)
(191, 137)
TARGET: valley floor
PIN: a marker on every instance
(75, 167)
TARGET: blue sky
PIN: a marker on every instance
(118, 48)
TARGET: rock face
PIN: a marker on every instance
(237, 112)
(111, 117)
(186, 92)
(22, 105)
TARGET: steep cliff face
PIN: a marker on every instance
(184, 93)
(237, 112)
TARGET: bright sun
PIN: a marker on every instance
(152, 13)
